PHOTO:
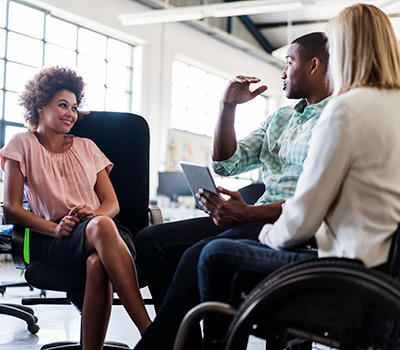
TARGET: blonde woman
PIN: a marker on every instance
(348, 196)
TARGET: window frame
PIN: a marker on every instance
(46, 15)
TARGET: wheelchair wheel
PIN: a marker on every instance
(334, 302)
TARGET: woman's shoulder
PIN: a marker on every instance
(23, 135)
(339, 109)
(364, 99)
(22, 138)
(349, 100)
(19, 144)
(364, 95)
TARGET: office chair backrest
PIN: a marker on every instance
(130, 175)
(252, 192)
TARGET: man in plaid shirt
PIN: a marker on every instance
(168, 253)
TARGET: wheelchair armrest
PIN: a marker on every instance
(195, 314)
(155, 216)
(17, 246)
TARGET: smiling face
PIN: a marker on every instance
(60, 114)
(295, 76)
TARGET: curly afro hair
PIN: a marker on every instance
(40, 90)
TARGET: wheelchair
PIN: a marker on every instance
(329, 303)
(333, 302)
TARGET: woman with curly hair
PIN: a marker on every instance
(72, 201)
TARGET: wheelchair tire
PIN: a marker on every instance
(335, 302)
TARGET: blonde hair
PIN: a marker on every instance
(363, 50)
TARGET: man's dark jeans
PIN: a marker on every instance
(219, 264)
(170, 252)
(220, 261)
(160, 248)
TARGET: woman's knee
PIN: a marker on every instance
(101, 227)
(93, 262)
(95, 270)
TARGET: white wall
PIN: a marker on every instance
(160, 44)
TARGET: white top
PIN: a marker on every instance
(349, 192)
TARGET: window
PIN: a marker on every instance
(196, 94)
(3, 7)
(195, 98)
(105, 63)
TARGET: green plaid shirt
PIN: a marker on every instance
(279, 146)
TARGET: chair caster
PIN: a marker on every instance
(33, 328)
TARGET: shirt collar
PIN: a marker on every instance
(304, 111)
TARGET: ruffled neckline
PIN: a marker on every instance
(54, 154)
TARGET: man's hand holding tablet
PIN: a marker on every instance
(223, 212)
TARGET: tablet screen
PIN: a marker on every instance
(198, 176)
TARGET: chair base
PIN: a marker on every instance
(5, 285)
(77, 346)
(23, 313)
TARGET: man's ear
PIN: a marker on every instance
(39, 110)
(315, 64)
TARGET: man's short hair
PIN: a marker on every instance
(314, 45)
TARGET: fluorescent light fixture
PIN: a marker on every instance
(281, 52)
(226, 9)
(255, 8)
(160, 16)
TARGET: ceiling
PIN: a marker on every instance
(272, 31)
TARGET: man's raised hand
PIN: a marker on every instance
(238, 90)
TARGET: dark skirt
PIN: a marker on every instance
(68, 252)
(64, 253)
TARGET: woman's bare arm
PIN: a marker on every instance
(109, 203)
(13, 195)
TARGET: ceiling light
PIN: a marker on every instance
(160, 16)
(255, 8)
(226, 9)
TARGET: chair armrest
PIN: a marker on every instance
(155, 216)
(195, 314)
(17, 246)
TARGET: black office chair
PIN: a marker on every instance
(333, 301)
(252, 192)
(124, 138)
(20, 311)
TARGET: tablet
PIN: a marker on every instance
(198, 176)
